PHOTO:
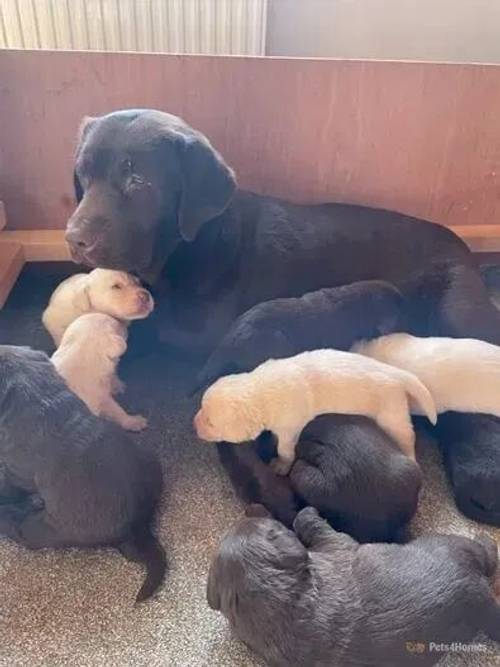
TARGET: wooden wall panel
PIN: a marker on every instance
(420, 138)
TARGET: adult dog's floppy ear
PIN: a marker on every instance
(208, 184)
(83, 131)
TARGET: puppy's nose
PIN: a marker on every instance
(144, 297)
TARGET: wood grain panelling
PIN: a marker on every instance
(419, 138)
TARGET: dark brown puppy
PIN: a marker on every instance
(333, 317)
(471, 452)
(346, 467)
(318, 598)
(356, 477)
(96, 486)
(255, 481)
(157, 199)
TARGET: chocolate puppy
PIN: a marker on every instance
(316, 598)
(255, 481)
(327, 318)
(346, 467)
(357, 477)
(96, 486)
(471, 452)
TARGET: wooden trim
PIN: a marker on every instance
(11, 263)
(3, 217)
(43, 245)
(480, 238)
(48, 245)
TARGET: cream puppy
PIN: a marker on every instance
(87, 359)
(283, 395)
(462, 374)
(115, 293)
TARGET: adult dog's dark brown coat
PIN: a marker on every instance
(156, 198)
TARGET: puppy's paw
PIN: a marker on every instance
(135, 423)
(280, 466)
(118, 386)
(305, 524)
(307, 514)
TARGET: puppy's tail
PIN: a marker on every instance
(421, 400)
(143, 547)
(492, 621)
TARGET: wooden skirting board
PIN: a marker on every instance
(48, 245)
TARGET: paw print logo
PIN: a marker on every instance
(415, 647)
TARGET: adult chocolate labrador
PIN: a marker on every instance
(157, 199)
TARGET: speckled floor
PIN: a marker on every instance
(73, 608)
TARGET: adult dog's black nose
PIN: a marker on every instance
(78, 239)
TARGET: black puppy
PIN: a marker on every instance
(328, 318)
(471, 451)
(318, 598)
(357, 477)
(96, 486)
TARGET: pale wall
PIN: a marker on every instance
(449, 30)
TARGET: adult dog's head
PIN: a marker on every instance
(144, 181)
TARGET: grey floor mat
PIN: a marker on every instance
(76, 608)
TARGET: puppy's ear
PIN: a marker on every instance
(82, 297)
(115, 346)
(208, 184)
(213, 596)
(83, 131)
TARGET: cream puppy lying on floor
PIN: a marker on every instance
(462, 374)
(115, 293)
(283, 395)
(87, 359)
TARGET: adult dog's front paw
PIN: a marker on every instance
(280, 466)
(135, 423)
